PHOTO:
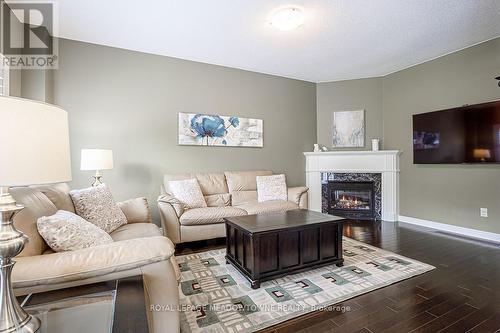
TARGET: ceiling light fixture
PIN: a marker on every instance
(288, 18)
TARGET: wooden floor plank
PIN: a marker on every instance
(446, 319)
(407, 324)
(469, 322)
(491, 324)
(359, 323)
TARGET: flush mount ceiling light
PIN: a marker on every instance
(288, 18)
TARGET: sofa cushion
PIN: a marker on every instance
(66, 231)
(96, 205)
(243, 198)
(36, 205)
(135, 230)
(269, 207)
(244, 180)
(209, 215)
(188, 192)
(136, 210)
(271, 188)
(210, 183)
(218, 200)
(58, 194)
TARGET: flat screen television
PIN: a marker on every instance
(467, 134)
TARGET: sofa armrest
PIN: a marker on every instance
(298, 195)
(136, 210)
(95, 261)
(174, 202)
(170, 210)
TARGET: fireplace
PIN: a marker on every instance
(351, 199)
(381, 167)
(352, 195)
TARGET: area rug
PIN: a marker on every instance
(215, 297)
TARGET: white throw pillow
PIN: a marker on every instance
(188, 192)
(65, 231)
(271, 188)
(96, 205)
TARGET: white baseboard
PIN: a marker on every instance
(452, 229)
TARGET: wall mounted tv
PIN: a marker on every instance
(467, 134)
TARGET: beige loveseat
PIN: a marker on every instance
(139, 248)
(232, 193)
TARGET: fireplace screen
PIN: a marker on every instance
(351, 199)
(345, 199)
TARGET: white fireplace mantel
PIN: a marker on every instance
(385, 162)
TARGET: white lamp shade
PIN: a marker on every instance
(34, 143)
(96, 159)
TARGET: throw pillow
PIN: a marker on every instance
(96, 205)
(65, 231)
(271, 188)
(188, 192)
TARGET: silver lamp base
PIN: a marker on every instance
(97, 180)
(12, 316)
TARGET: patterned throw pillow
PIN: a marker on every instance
(65, 231)
(188, 192)
(271, 188)
(96, 205)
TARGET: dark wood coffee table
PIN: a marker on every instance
(266, 246)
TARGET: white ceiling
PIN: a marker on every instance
(340, 39)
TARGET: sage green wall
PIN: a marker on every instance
(129, 102)
(449, 194)
(347, 96)
(36, 85)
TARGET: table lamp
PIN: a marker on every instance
(97, 159)
(481, 154)
(34, 145)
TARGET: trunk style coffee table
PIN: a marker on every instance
(265, 246)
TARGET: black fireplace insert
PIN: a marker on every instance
(351, 199)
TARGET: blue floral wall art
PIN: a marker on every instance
(211, 130)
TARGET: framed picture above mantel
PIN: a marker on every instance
(348, 129)
(214, 130)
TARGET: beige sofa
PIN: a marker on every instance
(139, 249)
(232, 193)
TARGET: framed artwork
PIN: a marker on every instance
(227, 131)
(348, 129)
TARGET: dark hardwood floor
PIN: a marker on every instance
(461, 295)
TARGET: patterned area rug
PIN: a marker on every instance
(215, 297)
